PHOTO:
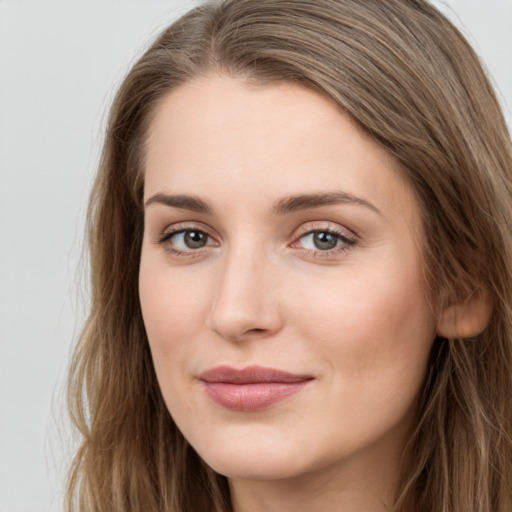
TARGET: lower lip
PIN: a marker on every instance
(252, 396)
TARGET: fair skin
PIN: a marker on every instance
(240, 269)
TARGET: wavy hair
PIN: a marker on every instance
(408, 77)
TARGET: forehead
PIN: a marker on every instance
(217, 133)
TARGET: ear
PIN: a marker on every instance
(466, 319)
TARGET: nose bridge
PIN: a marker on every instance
(242, 304)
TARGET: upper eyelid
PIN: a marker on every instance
(187, 226)
(173, 232)
(333, 227)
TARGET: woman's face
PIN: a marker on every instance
(281, 282)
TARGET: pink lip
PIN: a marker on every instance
(250, 389)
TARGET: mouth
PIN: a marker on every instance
(251, 389)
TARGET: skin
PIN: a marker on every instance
(355, 317)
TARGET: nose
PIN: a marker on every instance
(245, 304)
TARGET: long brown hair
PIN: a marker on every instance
(408, 77)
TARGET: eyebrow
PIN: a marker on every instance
(180, 201)
(281, 207)
(309, 201)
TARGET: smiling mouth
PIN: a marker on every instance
(250, 389)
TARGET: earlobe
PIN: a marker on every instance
(465, 319)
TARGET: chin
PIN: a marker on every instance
(264, 458)
(266, 467)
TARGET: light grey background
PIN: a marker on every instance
(60, 62)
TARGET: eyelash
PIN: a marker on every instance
(166, 237)
(347, 242)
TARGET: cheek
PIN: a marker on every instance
(374, 336)
(371, 326)
(173, 308)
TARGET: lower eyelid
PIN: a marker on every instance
(338, 251)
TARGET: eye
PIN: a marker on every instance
(186, 241)
(321, 240)
(327, 241)
(189, 239)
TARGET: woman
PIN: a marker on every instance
(301, 284)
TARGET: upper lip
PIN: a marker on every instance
(250, 375)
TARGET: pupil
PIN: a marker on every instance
(195, 239)
(325, 241)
